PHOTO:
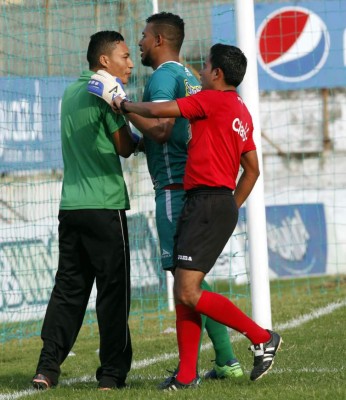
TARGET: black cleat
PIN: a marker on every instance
(171, 384)
(163, 384)
(264, 354)
(41, 382)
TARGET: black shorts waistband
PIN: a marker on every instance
(209, 190)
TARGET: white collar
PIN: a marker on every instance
(167, 62)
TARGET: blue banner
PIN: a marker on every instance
(297, 239)
(300, 45)
(29, 259)
(30, 123)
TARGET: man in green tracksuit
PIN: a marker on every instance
(93, 237)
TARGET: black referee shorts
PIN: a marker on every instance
(206, 223)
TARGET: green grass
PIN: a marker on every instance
(311, 364)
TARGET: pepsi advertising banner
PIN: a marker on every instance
(30, 123)
(297, 239)
(300, 45)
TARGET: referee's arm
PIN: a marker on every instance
(248, 178)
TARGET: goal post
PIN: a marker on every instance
(255, 206)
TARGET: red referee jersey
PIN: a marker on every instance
(221, 129)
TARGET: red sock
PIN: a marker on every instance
(188, 325)
(222, 310)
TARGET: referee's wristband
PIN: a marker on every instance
(122, 105)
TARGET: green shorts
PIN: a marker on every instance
(169, 204)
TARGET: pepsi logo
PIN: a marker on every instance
(293, 44)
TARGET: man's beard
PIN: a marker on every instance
(146, 61)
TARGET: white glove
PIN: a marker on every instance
(106, 86)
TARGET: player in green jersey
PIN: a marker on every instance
(166, 150)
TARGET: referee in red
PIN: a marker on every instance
(221, 141)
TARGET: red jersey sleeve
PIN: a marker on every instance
(194, 106)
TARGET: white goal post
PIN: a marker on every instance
(255, 207)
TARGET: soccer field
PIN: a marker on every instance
(300, 123)
(310, 365)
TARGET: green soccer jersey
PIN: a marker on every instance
(93, 177)
(166, 162)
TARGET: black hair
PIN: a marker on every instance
(170, 26)
(102, 42)
(231, 60)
